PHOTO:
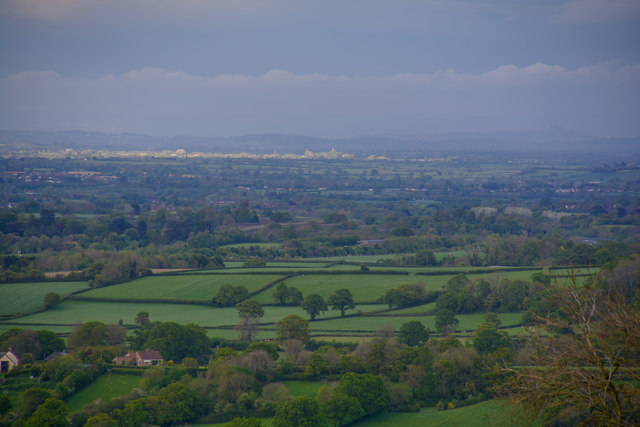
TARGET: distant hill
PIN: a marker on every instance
(545, 141)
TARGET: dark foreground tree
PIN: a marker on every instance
(590, 374)
(52, 413)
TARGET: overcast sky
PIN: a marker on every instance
(320, 67)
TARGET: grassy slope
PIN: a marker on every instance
(105, 388)
(26, 297)
(181, 287)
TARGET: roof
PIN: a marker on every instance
(10, 355)
(149, 355)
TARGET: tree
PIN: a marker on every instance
(87, 335)
(116, 334)
(229, 296)
(301, 411)
(142, 318)
(314, 304)
(342, 409)
(25, 341)
(51, 300)
(591, 371)
(101, 420)
(368, 389)
(341, 300)
(413, 333)
(50, 343)
(425, 257)
(250, 308)
(250, 312)
(446, 320)
(292, 327)
(52, 413)
(487, 338)
(33, 397)
(287, 295)
(172, 340)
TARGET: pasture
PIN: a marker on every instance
(105, 388)
(488, 413)
(187, 287)
(27, 297)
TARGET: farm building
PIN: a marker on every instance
(8, 361)
(140, 358)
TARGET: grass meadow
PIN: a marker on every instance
(104, 388)
(180, 287)
(27, 297)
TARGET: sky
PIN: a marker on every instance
(323, 68)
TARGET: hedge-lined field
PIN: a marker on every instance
(180, 287)
(27, 297)
(488, 413)
(373, 323)
(104, 388)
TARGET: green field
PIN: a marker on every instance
(104, 388)
(373, 323)
(180, 287)
(364, 287)
(27, 297)
(303, 388)
(489, 413)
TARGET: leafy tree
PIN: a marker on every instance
(51, 300)
(142, 318)
(250, 308)
(287, 295)
(25, 341)
(425, 257)
(52, 413)
(446, 320)
(488, 339)
(314, 304)
(368, 389)
(292, 327)
(100, 420)
(342, 409)
(341, 300)
(229, 296)
(33, 397)
(250, 312)
(116, 334)
(87, 335)
(413, 333)
(301, 411)
(172, 340)
(50, 342)
(181, 404)
(315, 365)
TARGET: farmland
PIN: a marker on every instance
(185, 298)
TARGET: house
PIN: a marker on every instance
(8, 361)
(140, 358)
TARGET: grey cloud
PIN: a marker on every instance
(602, 98)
